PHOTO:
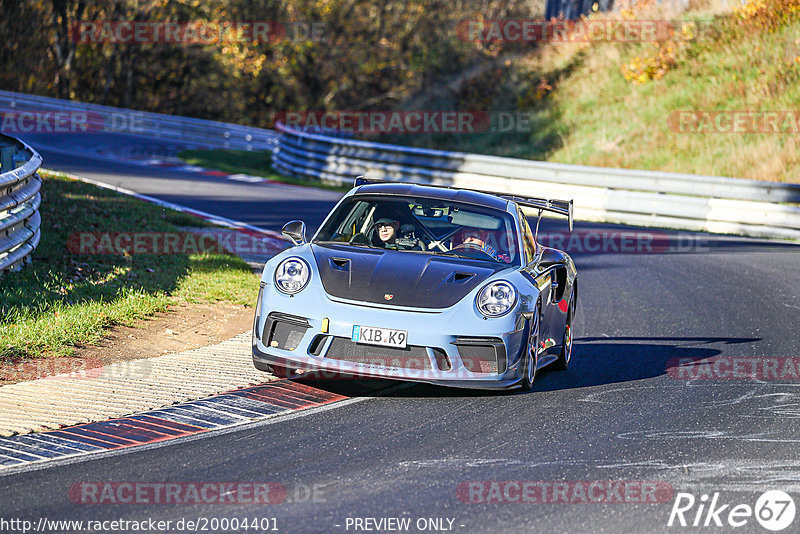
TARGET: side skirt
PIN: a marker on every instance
(546, 360)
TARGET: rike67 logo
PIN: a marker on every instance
(774, 510)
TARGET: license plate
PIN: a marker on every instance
(372, 335)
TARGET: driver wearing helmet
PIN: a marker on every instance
(473, 236)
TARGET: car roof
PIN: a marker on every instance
(443, 193)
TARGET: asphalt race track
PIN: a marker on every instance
(269, 207)
(623, 412)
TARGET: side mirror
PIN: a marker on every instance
(295, 231)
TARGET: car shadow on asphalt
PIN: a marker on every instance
(608, 360)
(596, 361)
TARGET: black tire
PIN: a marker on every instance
(532, 354)
(564, 358)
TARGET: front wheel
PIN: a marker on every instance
(532, 355)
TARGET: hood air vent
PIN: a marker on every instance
(459, 278)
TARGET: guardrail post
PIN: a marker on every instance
(191, 132)
(20, 222)
(635, 197)
(7, 159)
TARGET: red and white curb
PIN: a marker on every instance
(239, 407)
(180, 166)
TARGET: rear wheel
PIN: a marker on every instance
(562, 362)
(532, 354)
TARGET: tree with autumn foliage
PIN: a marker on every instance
(333, 54)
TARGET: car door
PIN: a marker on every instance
(542, 279)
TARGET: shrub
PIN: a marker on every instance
(769, 14)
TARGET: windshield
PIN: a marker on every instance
(423, 225)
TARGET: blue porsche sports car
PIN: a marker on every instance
(418, 282)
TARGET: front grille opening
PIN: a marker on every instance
(442, 360)
(317, 343)
(286, 336)
(412, 357)
(284, 331)
(482, 355)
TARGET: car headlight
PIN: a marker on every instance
(496, 299)
(292, 275)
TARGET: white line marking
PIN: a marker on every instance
(247, 178)
(190, 168)
(17, 451)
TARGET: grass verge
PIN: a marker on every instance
(610, 118)
(64, 299)
(255, 163)
(614, 104)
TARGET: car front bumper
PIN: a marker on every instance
(452, 347)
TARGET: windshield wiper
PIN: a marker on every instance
(457, 255)
(365, 245)
(332, 242)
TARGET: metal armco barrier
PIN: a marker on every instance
(647, 198)
(97, 118)
(20, 223)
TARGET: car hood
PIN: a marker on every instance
(398, 278)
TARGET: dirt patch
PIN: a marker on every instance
(184, 327)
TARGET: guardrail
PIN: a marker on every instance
(645, 198)
(199, 132)
(20, 223)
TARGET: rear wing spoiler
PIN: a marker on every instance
(561, 207)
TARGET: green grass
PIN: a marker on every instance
(62, 299)
(611, 121)
(593, 115)
(256, 163)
